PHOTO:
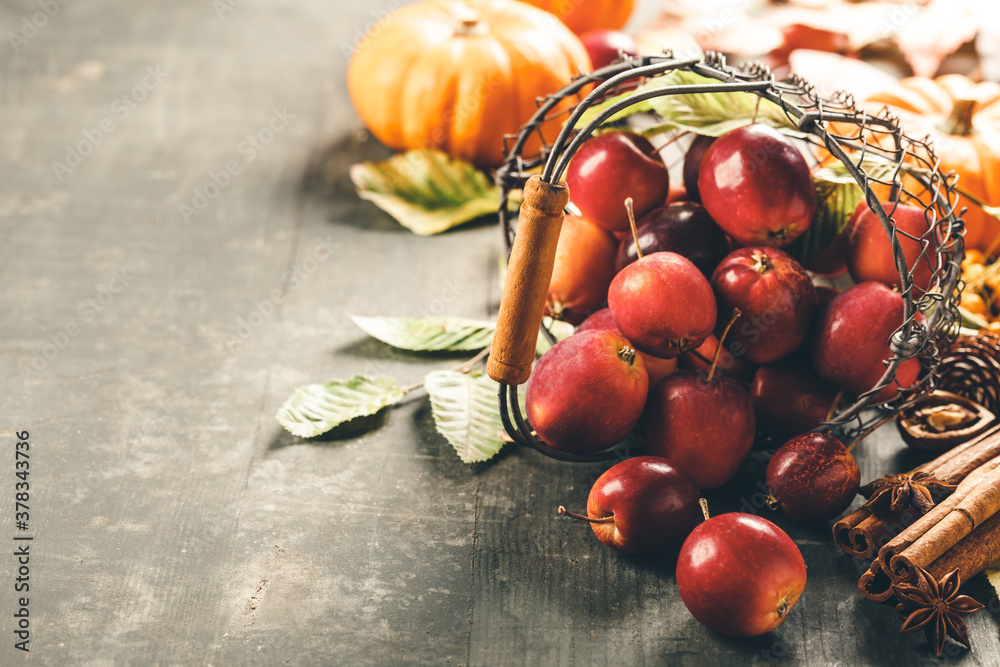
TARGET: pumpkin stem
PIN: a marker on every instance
(471, 25)
(959, 122)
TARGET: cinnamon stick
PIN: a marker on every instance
(957, 463)
(875, 584)
(980, 504)
(973, 554)
(919, 527)
(842, 530)
(861, 533)
(878, 529)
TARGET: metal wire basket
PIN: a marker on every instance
(871, 146)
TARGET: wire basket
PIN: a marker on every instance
(871, 146)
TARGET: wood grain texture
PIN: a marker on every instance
(175, 522)
(526, 283)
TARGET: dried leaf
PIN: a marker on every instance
(466, 413)
(429, 334)
(426, 191)
(713, 114)
(837, 197)
(316, 408)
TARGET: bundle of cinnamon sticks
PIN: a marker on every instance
(961, 532)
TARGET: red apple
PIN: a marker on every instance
(692, 164)
(774, 295)
(739, 574)
(656, 368)
(583, 270)
(703, 424)
(833, 260)
(643, 505)
(789, 398)
(853, 340)
(735, 367)
(663, 304)
(869, 250)
(611, 167)
(684, 228)
(604, 46)
(587, 392)
(813, 477)
(756, 185)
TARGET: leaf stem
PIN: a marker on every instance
(465, 369)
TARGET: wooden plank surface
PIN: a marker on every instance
(147, 348)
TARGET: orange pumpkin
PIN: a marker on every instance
(585, 15)
(964, 119)
(457, 75)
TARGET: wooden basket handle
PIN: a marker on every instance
(527, 282)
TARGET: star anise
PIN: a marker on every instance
(936, 607)
(897, 492)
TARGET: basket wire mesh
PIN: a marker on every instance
(872, 148)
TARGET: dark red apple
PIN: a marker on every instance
(684, 228)
(735, 367)
(853, 340)
(643, 505)
(775, 296)
(583, 270)
(789, 398)
(869, 251)
(692, 164)
(609, 168)
(813, 477)
(740, 575)
(656, 368)
(663, 304)
(604, 46)
(833, 260)
(703, 424)
(756, 185)
(587, 392)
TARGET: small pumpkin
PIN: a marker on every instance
(457, 75)
(964, 119)
(585, 15)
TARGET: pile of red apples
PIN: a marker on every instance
(698, 331)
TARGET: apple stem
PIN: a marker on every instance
(772, 502)
(718, 348)
(631, 222)
(753, 118)
(704, 508)
(604, 519)
(833, 406)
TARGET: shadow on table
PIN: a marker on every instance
(346, 431)
(327, 180)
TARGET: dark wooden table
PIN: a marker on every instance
(168, 282)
